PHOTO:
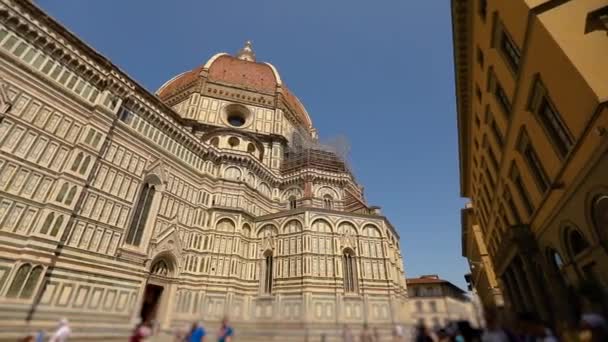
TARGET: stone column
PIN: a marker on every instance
(535, 283)
(515, 298)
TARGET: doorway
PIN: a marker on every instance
(150, 303)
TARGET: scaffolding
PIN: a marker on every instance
(307, 152)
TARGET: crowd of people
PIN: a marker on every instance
(197, 333)
(527, 328)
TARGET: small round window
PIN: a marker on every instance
(236, 115)
(233, 141)
(236, 119)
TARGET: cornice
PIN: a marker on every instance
(462, 35)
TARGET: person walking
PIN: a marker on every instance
(366, 334)
(226, 332)
(197, 333)
(140, 333)
(593, 328)
(398, 333)
(533, 329)
(422, 334)
(494, 332)
(376, 334)
(63, 331)
(347, 334)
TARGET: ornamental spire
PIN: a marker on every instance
(246, 53)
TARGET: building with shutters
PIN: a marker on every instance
(436, 303)
(210, 197)
(532, 92)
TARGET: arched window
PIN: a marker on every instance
(18, 281)
(85, 165)
(71, 194)
(225, 225)
(576, 242)
(232, 173)
(76, 162)
(160, 268)
(32, 281)
(47, 223)
(62, 192)
(268, 268)
(57, 226)
(327, 202)
(215, 141)
(292, 202)
(140, 215)
(24, 282)
(350, 271)
(599, 214)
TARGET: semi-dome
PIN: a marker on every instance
(240, 71)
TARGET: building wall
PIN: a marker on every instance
(530, 187)
(437, 311)
(80, 143)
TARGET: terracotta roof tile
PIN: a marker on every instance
(257, 76)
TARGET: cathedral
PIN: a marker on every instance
(210, 198)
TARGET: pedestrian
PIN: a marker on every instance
(28, 338)
(140, 333)
(226, 332)
(422, 334)
(443, 336)
(63, 331)
(494, 332)
(533, 329)
(197, 333)
(40, 336)
(593, 328)
(347, 334)
(376, 334)
(398, 333)
(366, 334)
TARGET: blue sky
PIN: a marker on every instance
(378, 72)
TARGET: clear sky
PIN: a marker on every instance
(378, 72)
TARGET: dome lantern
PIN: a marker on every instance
(246, 53)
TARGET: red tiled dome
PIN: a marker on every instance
(241, 71)
(224, 68)
(251, 75)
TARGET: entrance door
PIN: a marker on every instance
(150, 303)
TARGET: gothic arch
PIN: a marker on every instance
(265, 189)
(288, 225)
(326, 228)
(573, 240)
(592, 215)
(371, 230)
(233, 172)
(246, 230)
(273, 228)
(291, 191)
(346, 223)
(154, 179)
(164, 264)
(327, 190)
(225, 224)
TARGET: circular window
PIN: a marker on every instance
(236, 115)
(215, 141)
(250, 148)
(233, 141)
(236, 119)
